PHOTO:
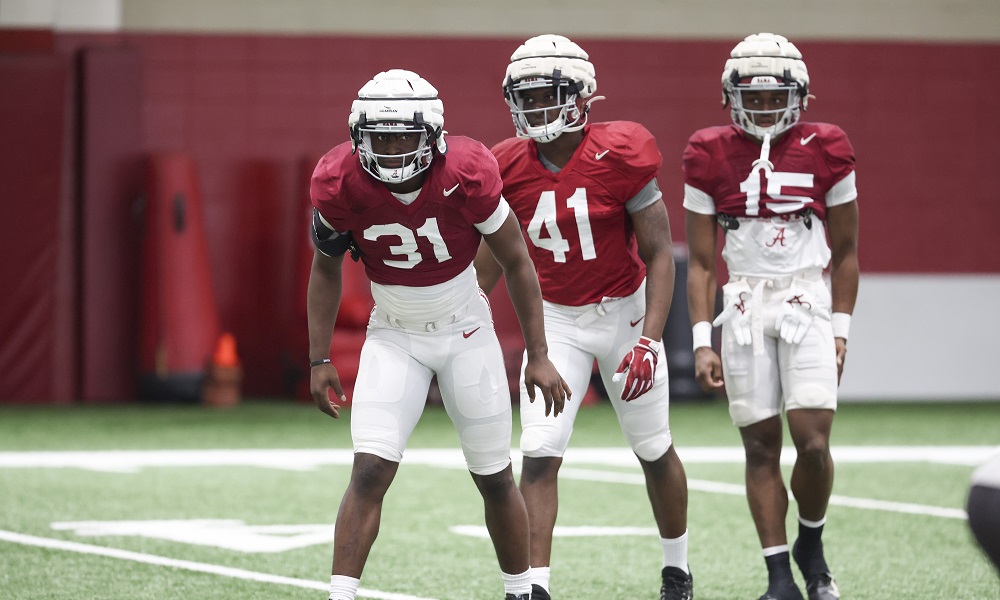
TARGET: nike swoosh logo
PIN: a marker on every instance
(466, 334)
(806, 140)
(455, 187)
(600, 155)
(636, 322)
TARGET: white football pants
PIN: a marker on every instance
(397, 363)
(577, 335)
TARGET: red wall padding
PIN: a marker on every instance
(235, 99)
(38, 319)
(250, 109)
(110, 220)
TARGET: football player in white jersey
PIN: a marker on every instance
(784, 194)
(587, 198)
(415, 207)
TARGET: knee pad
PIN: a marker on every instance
(544, 439)
(376, 431)
(743, 413)
(531, 442)
(487, 447)
(648, 432)
(541, 435)
(812, 395)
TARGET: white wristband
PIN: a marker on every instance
(702, 334)
(841, 324)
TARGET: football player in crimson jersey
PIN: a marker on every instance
(784, 194)
(587, 199)
(415, 207)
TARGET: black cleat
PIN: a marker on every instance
(539, 593)
(822, 587)
(820, 584)
(677, 585)
(517, 597)
(786, 591)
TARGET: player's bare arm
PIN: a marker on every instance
(488, 270)
(701, 235)
(507, 247)
(322, 305)
(652, 236)
(638, 367)
(842, 227)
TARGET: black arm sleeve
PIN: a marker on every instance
(326, 240)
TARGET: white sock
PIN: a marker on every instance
(343, 587)
(812, 524)
(774, 550)
(675, 552)
(540, 576)
(517, 584)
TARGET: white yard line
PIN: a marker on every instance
(163, 561)
(124, 461)
(307, 459)
(739, 490)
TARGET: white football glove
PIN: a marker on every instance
(798, 310)
(737, 296)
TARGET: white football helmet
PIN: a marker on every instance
(550, 61)
(765, 62)
(396, 101)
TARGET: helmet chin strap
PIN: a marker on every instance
(581, 121)
(592, 100)
(762, 163)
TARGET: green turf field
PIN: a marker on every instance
(144, 502)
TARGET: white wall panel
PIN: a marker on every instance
(924, 337)
(680, 19)
(69, 15)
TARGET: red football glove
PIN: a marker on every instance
(640, 363)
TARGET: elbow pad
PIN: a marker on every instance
(329, 242)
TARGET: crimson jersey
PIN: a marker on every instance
(769, 194)
(579, 233)
(427, 242)
(809, 159)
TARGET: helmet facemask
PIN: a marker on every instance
(746, 94)
(562, 115)
(384, 166)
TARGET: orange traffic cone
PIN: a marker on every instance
(222, 385)
(225, 352)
